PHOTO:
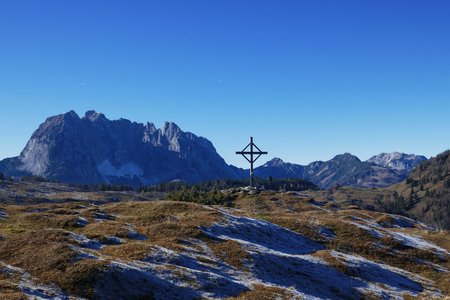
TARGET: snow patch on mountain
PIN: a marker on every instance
(107, 170)
(401, 162)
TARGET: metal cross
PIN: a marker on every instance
(252, 159)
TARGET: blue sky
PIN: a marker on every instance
(308, 79)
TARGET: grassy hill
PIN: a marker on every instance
(424, 195)
(59, 241)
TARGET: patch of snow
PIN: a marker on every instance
(327, 233)
(386, 281)
(407, 239)
(3, 215)
(320, 207)
(107, 169)
(103, 216)
(261, 235)
(81, 222)
(114, 240)
(374, 232)
(417, 242)
(84, 242)
(83, 254)
(32, 290)
(134, 235)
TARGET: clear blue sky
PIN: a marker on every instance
(308, 79)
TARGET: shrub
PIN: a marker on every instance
(193, 194)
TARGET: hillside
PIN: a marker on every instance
(427, 191)
(424, 195)
(266, 245)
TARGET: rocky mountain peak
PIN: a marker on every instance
(95, 149)
(346, 157)
(94, 116)
(274, 162)
(170, 129)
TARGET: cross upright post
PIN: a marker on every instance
(252, 158)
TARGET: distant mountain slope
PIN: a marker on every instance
(425, 194)
(94, 149)
(401, 162)
(344, 169)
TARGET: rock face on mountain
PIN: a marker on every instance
(344, 169)
(94, 149)
(401, 162)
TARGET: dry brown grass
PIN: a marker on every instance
(98, 230)
(129, 251)
(333, 261)
(9, 286)
(46, 256)
(165, 223)
(385, 220)
(231, 252)
(266, 202)
(11, 292)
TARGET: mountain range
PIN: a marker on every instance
(93, 149)
(346, 169)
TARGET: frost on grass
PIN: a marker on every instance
(84, 242)
(282, 258)
(3, 215)
(386, 281)
(327, 233)
(409, 240)
(166, 274)
(26, 285)
(81, 222)
(418, 243)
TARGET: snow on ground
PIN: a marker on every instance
(3, 215)
(386, 281)
(31, 290)
(84, 242)
(283, 258)
(327, 233)
(102, 216)
(81, 222)
(407, 239)
(374, 232)
(278, 257)
(418, 242)
(133, 234)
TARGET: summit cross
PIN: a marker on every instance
(252, 153)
